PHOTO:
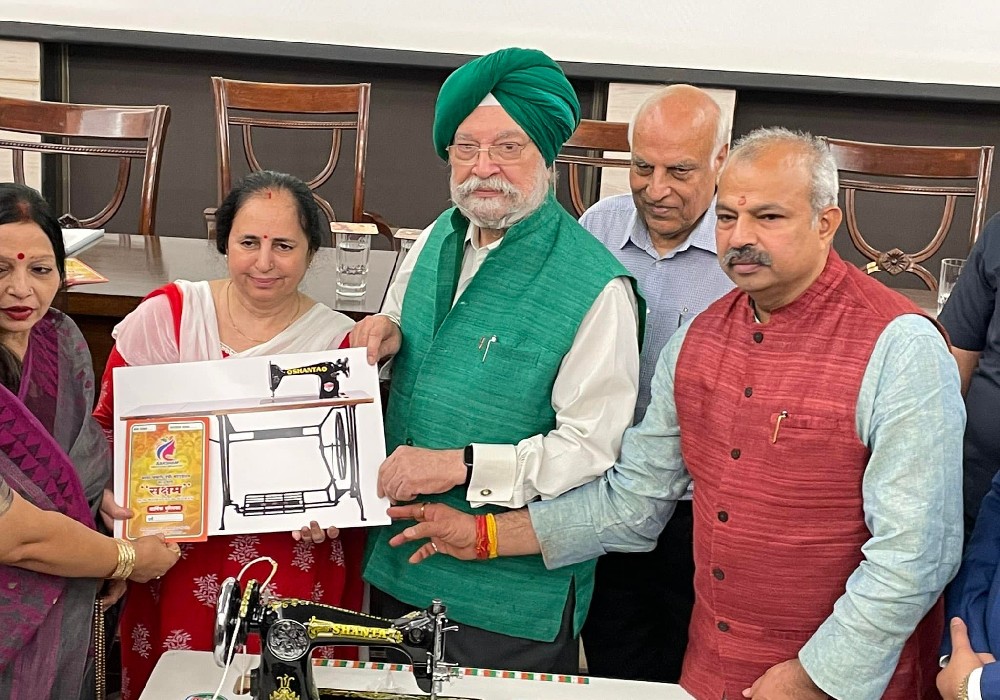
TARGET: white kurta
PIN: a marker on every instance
(593, 395)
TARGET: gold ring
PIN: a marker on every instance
(435, 547)
(423, 507)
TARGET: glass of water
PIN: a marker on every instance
(951, 268)
(406, 237)
(352, 263)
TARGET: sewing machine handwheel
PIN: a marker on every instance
(227, 619)
(341, 437)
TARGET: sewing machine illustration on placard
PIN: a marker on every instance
(291, 629)
(338, 445)
(326, 372)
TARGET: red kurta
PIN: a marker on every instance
(779, 524)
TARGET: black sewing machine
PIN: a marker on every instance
(326, 372)
(290, 629)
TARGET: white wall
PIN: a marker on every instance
(901, 40)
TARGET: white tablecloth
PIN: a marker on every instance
(180, 674)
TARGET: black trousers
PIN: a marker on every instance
(637, 628)
(479, 648)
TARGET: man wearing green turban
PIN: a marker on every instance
(530, 87)
(515, 335)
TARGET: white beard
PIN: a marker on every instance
(499, 213)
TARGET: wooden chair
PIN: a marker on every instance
(101, 122)
(869, 164)
(290, 99)
(587, 146)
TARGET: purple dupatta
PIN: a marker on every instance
(43, 653)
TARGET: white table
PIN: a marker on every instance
(180, 674)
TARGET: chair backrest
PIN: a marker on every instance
(342, 100)
(93, 122)
(586, 150)
(868, 165)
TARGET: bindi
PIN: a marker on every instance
(265, 236)
(20, 256)
(742, 201)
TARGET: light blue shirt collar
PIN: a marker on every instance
(703, 235)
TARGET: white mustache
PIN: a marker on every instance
(495, 183)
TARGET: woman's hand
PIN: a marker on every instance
(314, 533)
(114, 589)
(153, 557)
(450, 531)
(111, 511)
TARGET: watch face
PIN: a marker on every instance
(287, 640)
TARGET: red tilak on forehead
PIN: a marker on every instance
(265, 236)
(269, 194)
(742, 201)
(20, 256)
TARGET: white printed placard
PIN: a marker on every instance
(292, 438)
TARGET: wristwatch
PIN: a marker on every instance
(468, 465)
(963, 689)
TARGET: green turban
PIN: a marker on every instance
(529, 85)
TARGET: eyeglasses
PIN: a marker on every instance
(498, 152)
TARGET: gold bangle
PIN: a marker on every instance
(130, 565)
(116, 573)
(122, 558)
(126, 559)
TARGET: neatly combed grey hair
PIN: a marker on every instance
(822, 167)
(722, 126)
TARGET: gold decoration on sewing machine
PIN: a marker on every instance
(245, 601)
(284, 690)
(376, 695)
(323, 629)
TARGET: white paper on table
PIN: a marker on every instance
(78, 239)
(257, 465)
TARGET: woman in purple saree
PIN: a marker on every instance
(54, 456)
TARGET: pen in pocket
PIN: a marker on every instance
(488, 342)
(777, 426)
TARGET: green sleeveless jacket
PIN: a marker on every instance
(529, 295)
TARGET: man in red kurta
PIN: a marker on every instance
(819, 416)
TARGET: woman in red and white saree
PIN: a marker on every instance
(268, 228)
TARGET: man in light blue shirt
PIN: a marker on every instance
(664, 234)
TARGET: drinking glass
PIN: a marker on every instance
(951, 268)
(352, 263)
(406, 237)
